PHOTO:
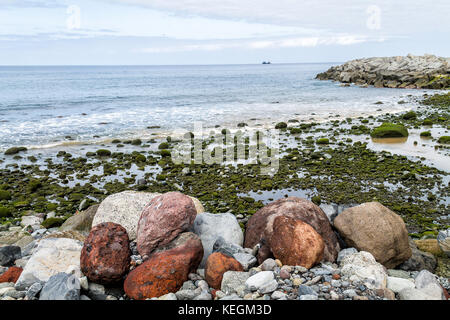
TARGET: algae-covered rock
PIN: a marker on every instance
(389, 130)
(53, 222)
(103, 153)
(15, 150)
(444, 140)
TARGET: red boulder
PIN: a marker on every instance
(165, 271)
(296, 243)
(260, 225)
(105, 257)
(11, 275)
(163, 219)
(216, 265)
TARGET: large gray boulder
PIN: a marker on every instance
(9, 254)
(51, 256)
(61, 286)
(443, 239)
(209, 227)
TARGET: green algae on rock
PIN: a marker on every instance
(389, 130)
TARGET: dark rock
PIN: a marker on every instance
(9, 254)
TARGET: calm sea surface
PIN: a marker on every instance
(47, 106)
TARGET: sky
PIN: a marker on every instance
(173, 32)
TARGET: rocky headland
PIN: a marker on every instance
(411, 72)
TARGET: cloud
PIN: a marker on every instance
(302, 42)
(31, 4)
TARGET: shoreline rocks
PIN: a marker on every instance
(105, 257)
(411, 72)
(374, 228)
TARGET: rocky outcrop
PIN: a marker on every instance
(164, 272)
(296, 243)
(374, 228)
(260, 225)
(105, 257)
(216, 265)
(426, 72)
(444, 241)
(163, 219)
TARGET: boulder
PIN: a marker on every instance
(295, 242)
(81, 222)
(164, 272)
(13, 237)
(209, 227)
(374, 228)
(61, 286)
(419, 260)
(429, 284)
(50, 257)
(105, 257)
(163, 219)
(398, 284)
(11, 275)
(123, 208)
(414, 294)
(443, 239)
(9, 254)
(216, 265)
(260, 225)
(362, 266)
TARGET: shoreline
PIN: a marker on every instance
(61, 182)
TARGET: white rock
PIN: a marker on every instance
(30, 221)
(96, 288)
(52, 256)
(398, 284)
(415, 294)
(75, 270)
(259, 280)
(428, 284)
(231, 280)
(84, 283)
(276, 295)
(363, 267)
(309, 297)
(169, 296)
(123, 208)
(210, 226)
(268, 287)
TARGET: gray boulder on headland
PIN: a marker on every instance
(411, 72)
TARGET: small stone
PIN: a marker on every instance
(168, 296)
(277, 295)
(259, 280)
(305, 290)
(61, 287)
(9, 254)
(309, 297)
(34, 290)
(297, 281)
(268, 287)
(268, 265)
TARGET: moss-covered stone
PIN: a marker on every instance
(323, 141)
(103, 153)
(5, 195)
(425, 134)
(389, 130)
(15, 150)
(163, 145)
(53, 222)
(4, 212)
(281, 125)
(444, 140)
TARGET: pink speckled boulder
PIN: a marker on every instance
(163, 219)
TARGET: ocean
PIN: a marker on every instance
(42, 107)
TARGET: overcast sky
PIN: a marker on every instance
(55, 32)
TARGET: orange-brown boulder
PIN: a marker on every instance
(216, 265)
(296, 243)
(260, 225)
(164, 271)
(11, 275)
